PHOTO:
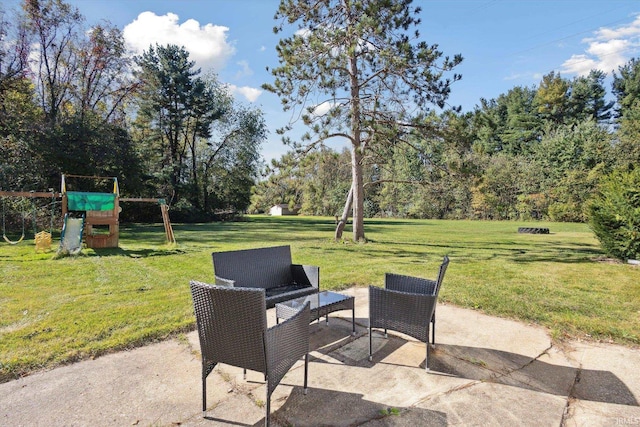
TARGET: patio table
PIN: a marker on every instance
(321, 304)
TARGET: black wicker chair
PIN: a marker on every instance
(232, 327)
(406, 304)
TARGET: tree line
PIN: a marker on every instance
(73, 100)
(535, 152)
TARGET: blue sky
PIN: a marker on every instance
(505, 43)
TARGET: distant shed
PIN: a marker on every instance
(282, 209)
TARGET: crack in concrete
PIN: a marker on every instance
(529, 363)
(567, 414)
(477, 382)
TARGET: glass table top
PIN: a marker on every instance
(320, 299)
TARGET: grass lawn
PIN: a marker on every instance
(55, 311)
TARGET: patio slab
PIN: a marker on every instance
(483, 371)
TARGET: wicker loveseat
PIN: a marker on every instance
(268, 268)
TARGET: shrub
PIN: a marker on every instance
(614, 214)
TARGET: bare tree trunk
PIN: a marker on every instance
(345, 215)
(358, 195)
(357, 147)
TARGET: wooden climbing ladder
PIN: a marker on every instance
(168, 229)
(164, 208)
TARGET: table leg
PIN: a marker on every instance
(353, 319)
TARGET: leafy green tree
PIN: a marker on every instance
(399, 179)
(326, 178)
(230, 159)
(103, 83)
(614, 214)
(627, 148)
(496, 192)
(626, 86)
(573, 158)
(178, 108)
(54, 26)
(283, 184)
(511, 123)
(587, 98)
(362, 62)
(20, 163)
(552, 99)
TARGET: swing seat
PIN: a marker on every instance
(11, 242)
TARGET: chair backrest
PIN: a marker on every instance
(231, 325)
(443, 269)
(255, 268)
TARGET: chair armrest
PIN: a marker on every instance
(285, 344)
(405, 312)
(414, 285)
(221, 281)
(308, 275)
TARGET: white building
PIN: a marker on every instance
(283, 209)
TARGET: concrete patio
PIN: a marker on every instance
(483, 371)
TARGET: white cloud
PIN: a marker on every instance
(609, 49)
(250, 93)
(625, 31)
(207, 44)
(323, 108)
(245, 70)
(579, 64)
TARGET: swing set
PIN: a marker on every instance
(84, 213)
(42, 238)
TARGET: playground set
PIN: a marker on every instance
(91, 216)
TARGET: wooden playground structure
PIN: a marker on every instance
(99, 213)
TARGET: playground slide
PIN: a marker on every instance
(71, 236)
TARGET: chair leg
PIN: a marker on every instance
(370, 345)
(204, 392)
(268, 405)
(244, 374)
(433, 330)
(306, 371)
(426, 360)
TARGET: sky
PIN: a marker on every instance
(504, 43)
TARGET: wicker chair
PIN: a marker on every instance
(407, 305)
(232, 327)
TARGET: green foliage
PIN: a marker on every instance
(587, 98)
(551, 99)
(199, 145)
(389, 411)
(509, 124)
(627, 150)
(626, 86)
(614, 214)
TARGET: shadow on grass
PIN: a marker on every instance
(136, 253)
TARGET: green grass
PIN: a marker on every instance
(55, 311)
